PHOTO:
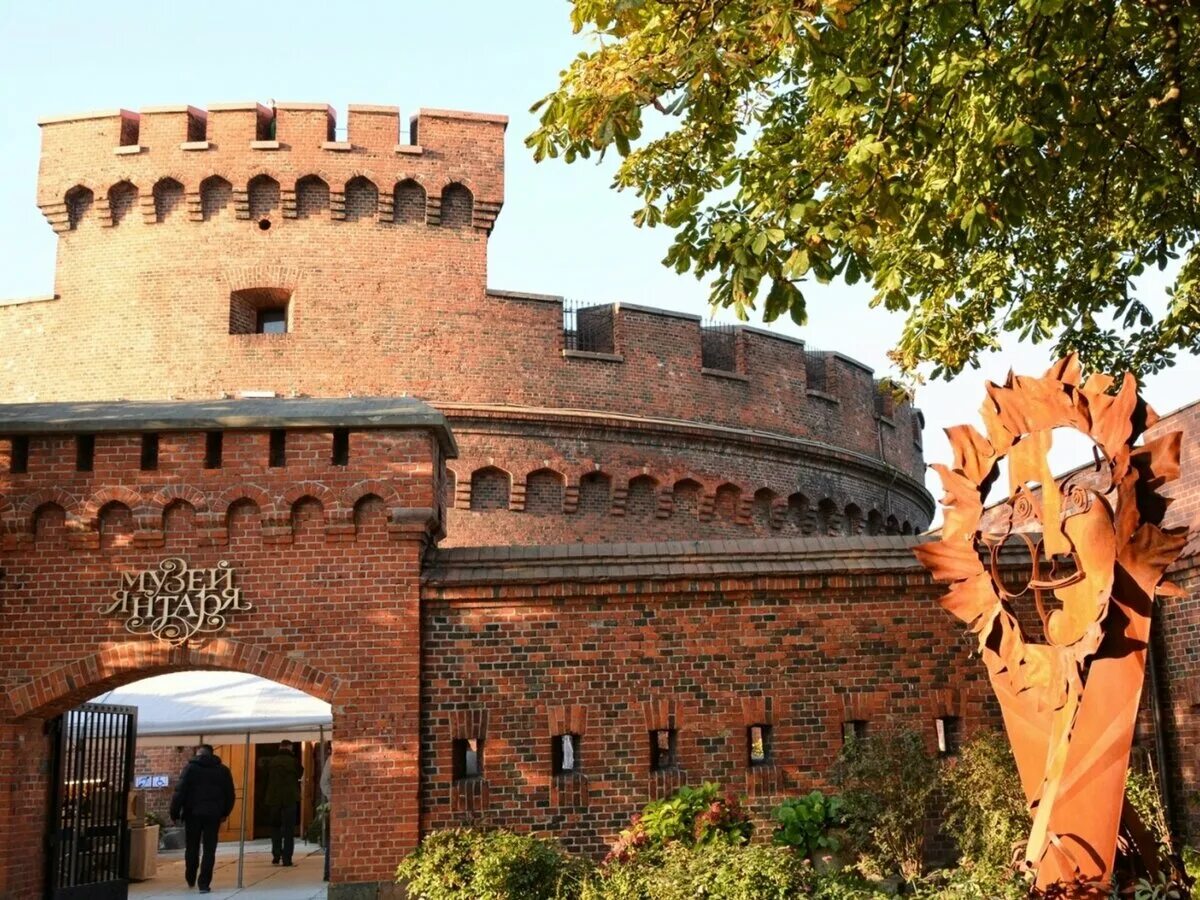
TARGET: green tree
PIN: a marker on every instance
(987, 165)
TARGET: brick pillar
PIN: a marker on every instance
(24, 790)
(375, 818)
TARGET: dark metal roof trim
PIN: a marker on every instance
(226, 415)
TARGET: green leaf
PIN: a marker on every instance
(983, 174)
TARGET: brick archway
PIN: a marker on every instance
(25, 748)
(120, 663)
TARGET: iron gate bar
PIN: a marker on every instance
(93, 766)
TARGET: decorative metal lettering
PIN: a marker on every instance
(174, 603)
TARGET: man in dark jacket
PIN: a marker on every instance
(203, 799)
(283, 802)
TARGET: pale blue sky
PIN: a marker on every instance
(562, 230)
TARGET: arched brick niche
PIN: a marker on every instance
(546, 480)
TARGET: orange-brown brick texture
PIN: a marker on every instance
(801, 653)
(327, 555)
(1177, 634)
(383, 249)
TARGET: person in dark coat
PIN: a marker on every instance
(203, 798)
(283, 802)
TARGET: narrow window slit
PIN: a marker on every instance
(149, 452)
(663, 749)
(948, 735)
(18, 460)
(758, 744)
(468, 758)
(85, 452)
(278, 449)
(213, 445)
(564, 750)
(341, 446)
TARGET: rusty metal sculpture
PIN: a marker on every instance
(1097, 555)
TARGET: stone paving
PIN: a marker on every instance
(261, 879)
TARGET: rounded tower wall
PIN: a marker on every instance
(178, 227)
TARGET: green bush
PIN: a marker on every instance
(713, 871)
(1141, 787)
(888, 783)
(702, 815)
(986, 811)
(804, 823)
(469, 864)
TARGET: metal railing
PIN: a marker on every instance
(588, 328)
(816, 370)
(717, 350)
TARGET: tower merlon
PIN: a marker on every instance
(287, 140)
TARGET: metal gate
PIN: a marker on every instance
(88, 852)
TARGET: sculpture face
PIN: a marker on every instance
(1068, 708)
(1068, 590)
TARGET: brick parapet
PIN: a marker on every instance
(589, 474)
(401, 469)
(240, 140)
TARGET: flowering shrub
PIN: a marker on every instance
(690, 816)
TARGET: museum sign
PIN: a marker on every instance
(174, 603)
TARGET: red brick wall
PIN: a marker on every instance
(746, 488)
(388, 301)
(1177, 629)
(328, 556)
(802, 652)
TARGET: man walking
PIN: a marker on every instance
(283, 802)
(203, 799)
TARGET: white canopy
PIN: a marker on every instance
(196, 707)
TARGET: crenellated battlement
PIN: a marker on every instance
(246, 251)
(92, 163)
(144, 462)
(776, 382)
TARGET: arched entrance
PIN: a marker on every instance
(33, 744)
(245, 719)
(242, 543)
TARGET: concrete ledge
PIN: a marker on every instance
(672, 560)
(194, 145)
(128, 150)
(305, 107)
(522, 295)
(23, 301)
(235, 106)
(821, 395)
(410, 149)
(724, 373)
(339, 146)
(460, 114)
(171, 108)
(766, 332)
(653, 311)
(84, 116)
(587, 354)
(264, 145)
(211, 415)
